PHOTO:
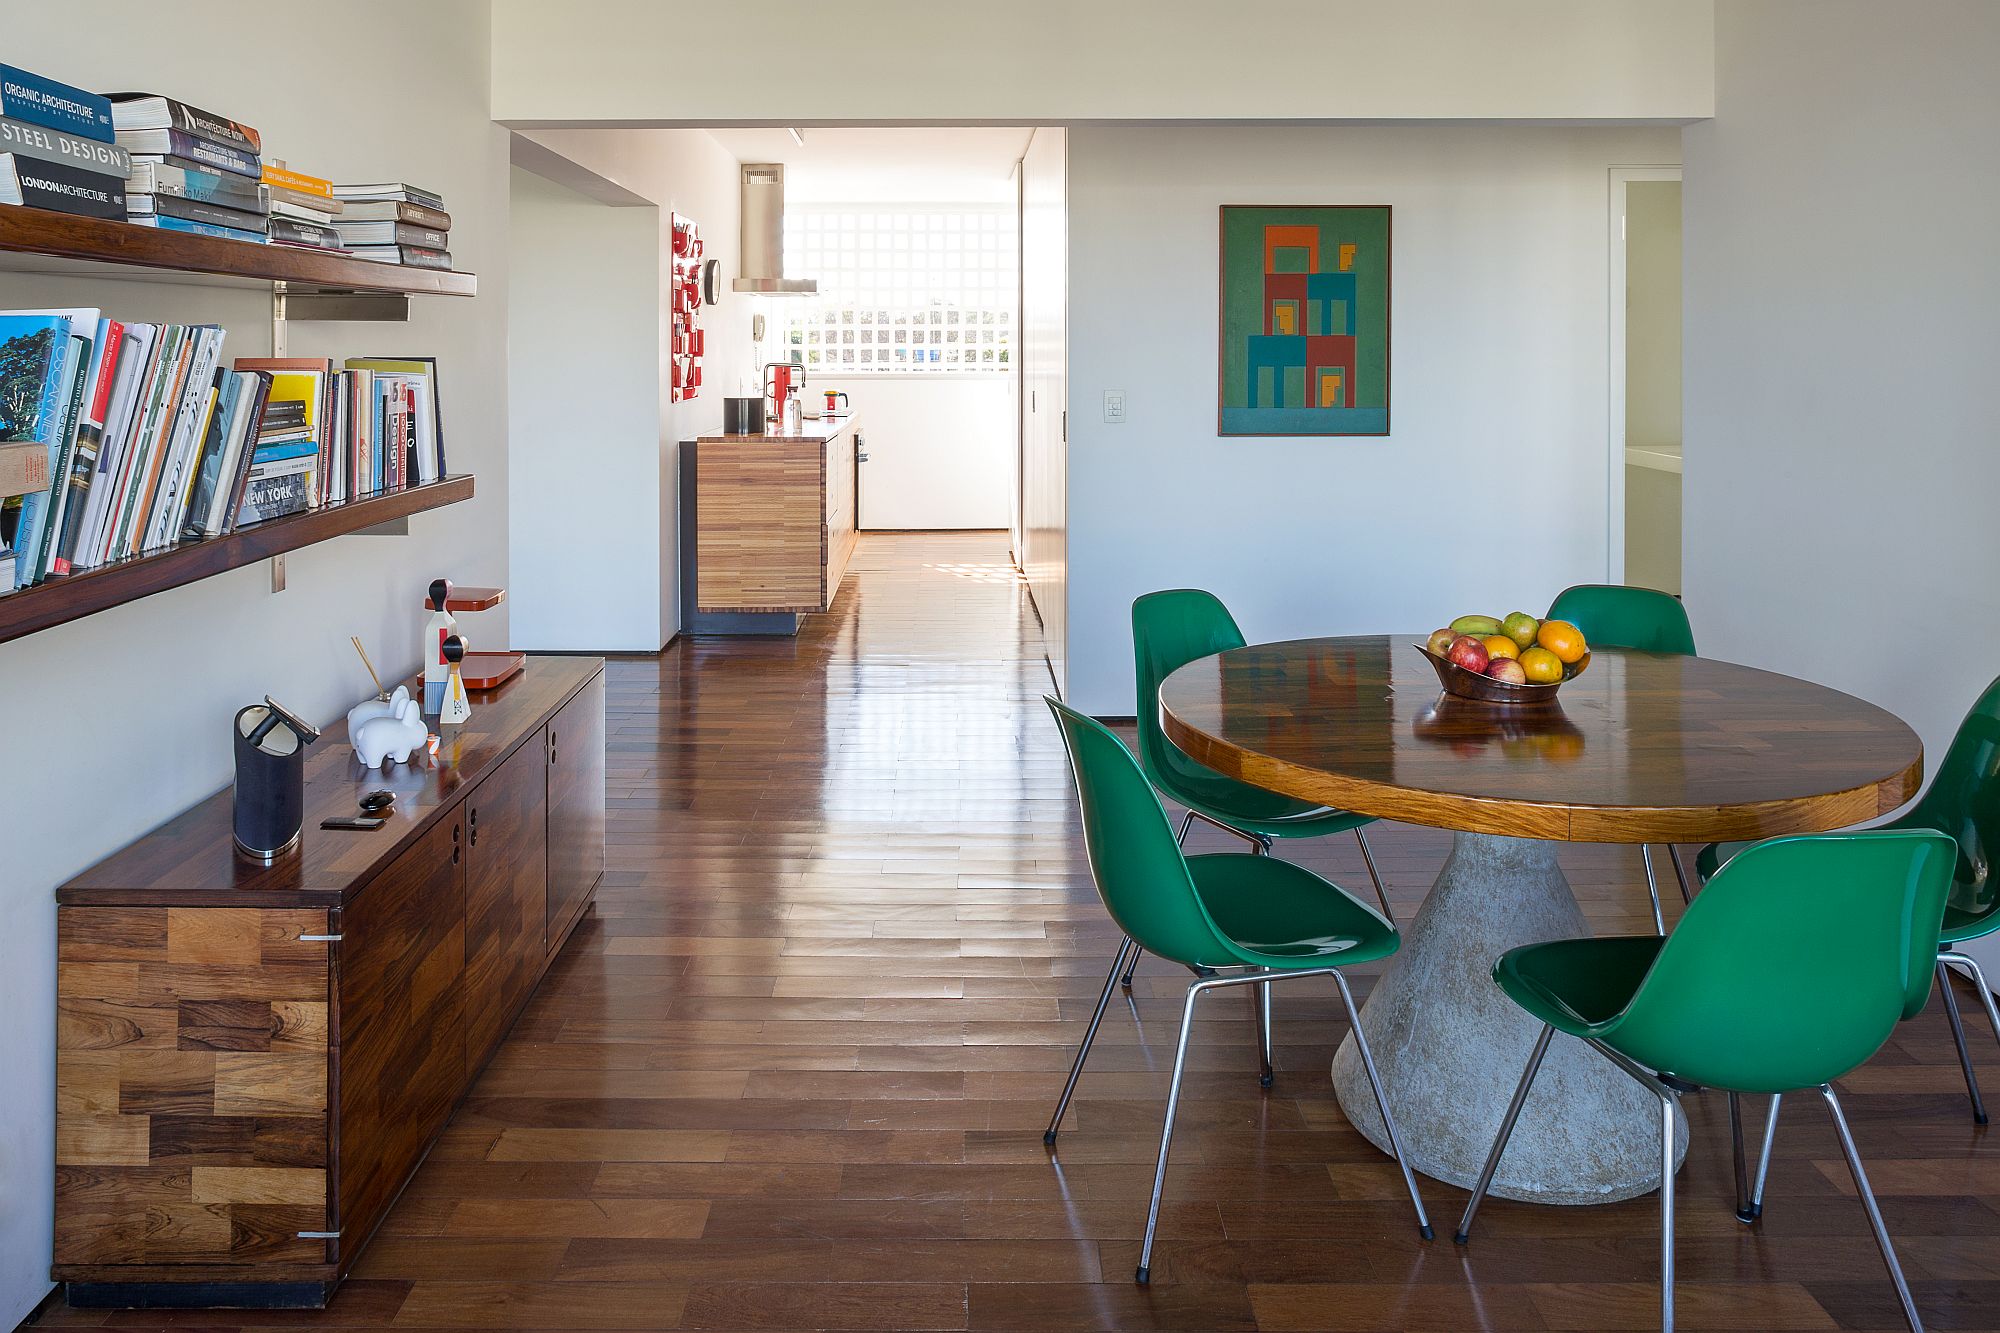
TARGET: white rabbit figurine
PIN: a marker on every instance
(396, 736)
(373, 708)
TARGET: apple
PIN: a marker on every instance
(1439, 643)
(1508, 670)
(1468, 652)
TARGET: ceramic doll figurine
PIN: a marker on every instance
(441, 626)
(456, 707)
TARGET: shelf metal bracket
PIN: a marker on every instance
(368, 307)
(321, 939)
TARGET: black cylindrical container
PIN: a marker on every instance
(743, 416)
(270, 806)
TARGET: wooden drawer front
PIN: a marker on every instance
(506, 898)
(576, 806)
(402, 1025)
(191, 1085)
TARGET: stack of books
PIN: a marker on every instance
(395, 223)
(57, 150)
(191, 170)
(303, 209)
(124, 439)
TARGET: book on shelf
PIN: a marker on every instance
(279, 176)
(196, 228)
(155, 174)
(413, 381)
(392, 191)
(62, 147)
(151, 111)
(203, 152)
(44, 101)
(299, 410)
(296, 203)
(387, 233)
(38, 385)
(193, 210)
(292, 231)
(32, 182)
(395, 210)
(410, 256)
(81, 472)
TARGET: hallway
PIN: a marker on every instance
(793, 1073)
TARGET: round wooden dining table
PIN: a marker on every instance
(1639, 748)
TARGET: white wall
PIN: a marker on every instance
(940, 447)
(1045, 332)
(678, 171)
(1843, 307)
(583, 422)
(114, 723)
(1489, 494)
(1653, 380)
(1038, 61)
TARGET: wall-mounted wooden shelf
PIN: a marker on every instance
(33, 240)
(59, 601)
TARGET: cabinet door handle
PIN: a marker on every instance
(472, 824)
(552, 747)
(454, 844)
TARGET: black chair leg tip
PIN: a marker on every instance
(1048, 1138)
(1979, 1117)
(1460, 1238)
(1426, 1232)
(1748, 1216)
(1266, 1080)
(1143, 1276)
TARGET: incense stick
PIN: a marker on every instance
(380, 693)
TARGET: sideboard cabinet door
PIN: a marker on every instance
(576, 806)
(402, 1025)
(506, 898)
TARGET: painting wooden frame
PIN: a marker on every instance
(1288, 276)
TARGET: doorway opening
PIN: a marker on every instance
(1645, 429)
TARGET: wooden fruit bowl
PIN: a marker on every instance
(1471, 685)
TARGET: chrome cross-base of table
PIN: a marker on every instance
(1450, 1045)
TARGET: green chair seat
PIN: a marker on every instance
(1283, 916)
(1577, 986)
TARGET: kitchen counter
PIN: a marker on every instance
(772, 518)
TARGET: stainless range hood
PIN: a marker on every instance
(761, 262)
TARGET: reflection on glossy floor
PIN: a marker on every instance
(793, 1073)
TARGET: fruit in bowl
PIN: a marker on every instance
(1524, 658)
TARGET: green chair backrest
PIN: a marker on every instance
(1612, 615)
(1964, 802)
(1169, 630)
(1795, 962)
(1140, 873)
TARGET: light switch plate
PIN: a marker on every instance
(1114, 406)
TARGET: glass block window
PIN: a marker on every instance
(902, 288)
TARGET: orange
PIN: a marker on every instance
(1500, 645)
(1543, 667)
(1563, 639)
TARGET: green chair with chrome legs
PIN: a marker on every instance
(1232, 919)
(1790, 970)
(1614, 615)
(1962, 802)
(1169, 630)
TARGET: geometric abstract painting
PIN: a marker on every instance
(1304, 320)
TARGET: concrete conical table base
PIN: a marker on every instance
(1451, 1046)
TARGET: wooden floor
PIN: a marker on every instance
(794, 1072)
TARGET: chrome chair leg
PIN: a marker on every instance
(1764, 1160)
(1125, 946)
(1144, 1273)
(1653, 888)
(1381, 894)
(1263, 1002)
(1971, 965)
(1874, 1213)
(1958, 1037)
(1666, 1212)
(1382, 1105)
(1680, 871)
(1464, 1232)
(1743, 1213)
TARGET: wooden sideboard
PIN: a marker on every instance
(252, 1060)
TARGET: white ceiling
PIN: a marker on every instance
(964, 164)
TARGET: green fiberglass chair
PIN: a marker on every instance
(1169, 630)
(1612, 615)
(1790, 969)
(1963, 802)
(1232, 919)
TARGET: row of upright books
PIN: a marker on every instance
(124, 439)
(159, 162)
